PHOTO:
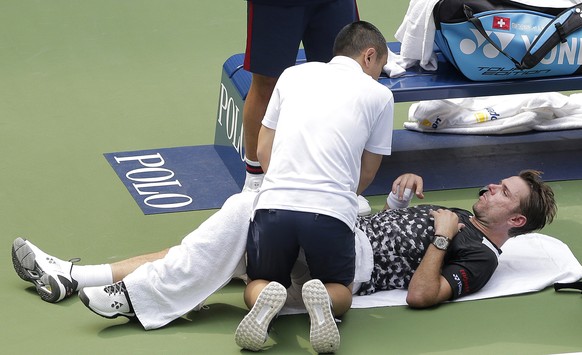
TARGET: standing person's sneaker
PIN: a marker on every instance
(253, 330)
(109, 301)
(51, 276)
(323, 334)
(253, 182)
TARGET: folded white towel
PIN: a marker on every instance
(497, 114)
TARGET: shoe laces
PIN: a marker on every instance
(118, 287)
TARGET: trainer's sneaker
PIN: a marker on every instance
(323, 334)
(51, 276)
(109, 301)
(253, 330)
(364, 208)
(253, 182)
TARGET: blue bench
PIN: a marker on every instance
(445, 161)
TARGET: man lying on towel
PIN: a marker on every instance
(437, 253)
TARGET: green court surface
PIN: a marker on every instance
(79, 79)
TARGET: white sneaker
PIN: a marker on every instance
(51, 276)
(253, 330)
(323, 334)
(364, 208)
(253, 182)
(109, 301)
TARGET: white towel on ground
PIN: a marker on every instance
(497, 114)
(206, 260)
(529, 263)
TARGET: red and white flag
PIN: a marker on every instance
(501, 23)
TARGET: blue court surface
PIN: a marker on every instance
(174, 179)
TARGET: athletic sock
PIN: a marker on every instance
(253, 167)
(92, 275)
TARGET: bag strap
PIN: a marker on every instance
(479, 26)
(571, 22)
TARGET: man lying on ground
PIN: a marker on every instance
(437, 253)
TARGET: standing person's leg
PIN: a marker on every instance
(253, 112)
(273, 37)
(324, 21)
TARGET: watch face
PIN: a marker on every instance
(441, 242)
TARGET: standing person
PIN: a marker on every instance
(325, 130)
(275, 28)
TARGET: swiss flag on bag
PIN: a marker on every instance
(501, 23)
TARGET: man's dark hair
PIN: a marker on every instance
(539, 207)
(357, 37)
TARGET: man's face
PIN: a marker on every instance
(501, 201)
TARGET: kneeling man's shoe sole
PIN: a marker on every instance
(252, 332)
(323, 334)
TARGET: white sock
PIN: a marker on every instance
(252, 162)
(92, 275)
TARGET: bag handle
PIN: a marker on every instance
(571, 21)
(574, 285)
(565, 23)
(479, 26)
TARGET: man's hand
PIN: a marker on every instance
(402, 189)
(446, 223)
(427, 286)
(408, 181)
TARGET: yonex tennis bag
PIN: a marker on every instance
(502, 39)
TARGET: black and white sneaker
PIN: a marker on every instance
(323, 333)
(253, 330)
(51, 276)
(109, 301)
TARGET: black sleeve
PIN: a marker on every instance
(470, 271)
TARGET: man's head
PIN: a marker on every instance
(364, 43)
(521, 204)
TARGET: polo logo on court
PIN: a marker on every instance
(153, 182)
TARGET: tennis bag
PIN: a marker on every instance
(501, 39)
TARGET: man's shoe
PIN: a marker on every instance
(253, 182)
(323, 334)
(51, 276)
(253, 331)
(364, 208)
(109, 301)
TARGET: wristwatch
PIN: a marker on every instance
(441, 242)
